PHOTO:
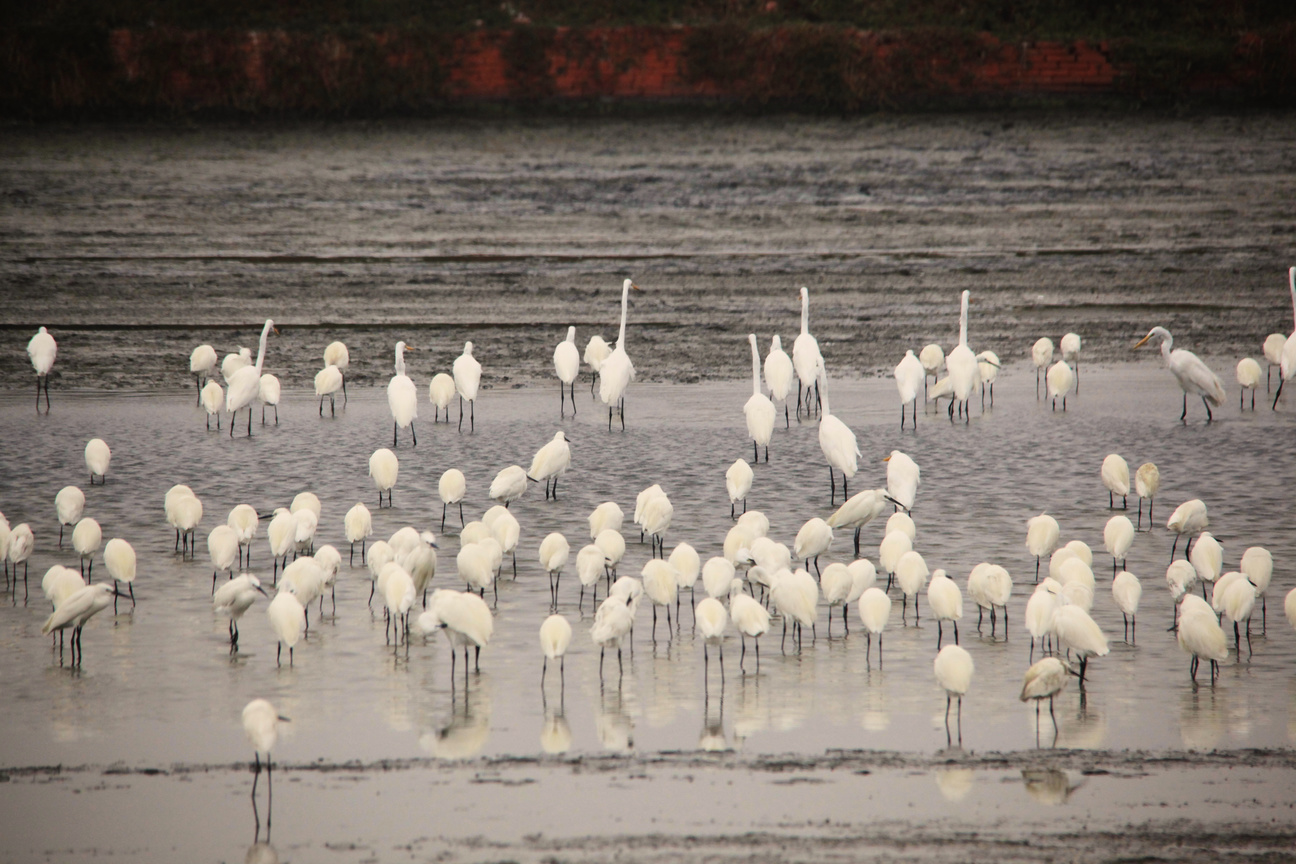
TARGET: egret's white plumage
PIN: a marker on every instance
(234, 362)
(1207, 557)
(836, 440)
(384, 468)
(1248, 378)
(1059, 381)
(566, 360)
(1118, 537)
(903, 522)
(712, 620)
(779, 373)
(961, 361)
(1070, 348)
(244, 384)
(441, 390)
(613, 546)
(202, 363)
(328, 381)
(261, 726)
(555, 636)
(97, 457)
(903, 476)
(554, 554)
(813, 539)
(223, 549)
(1194, 376)
(69, 504)
(551, 462)
(41, 350)
(1042, 536)
(988, 372)
(268, 392)
(1200, 633)
(657, 515)
(451, 488)
(1115, 477)
(1078, 632)
(596, 351)
(892, 548)
(1127, 591)
(661, 586)
(1041, 357)
(212, 398)
(402, 397)
(911, 575)
(718, 574)
(606, 515)
(874, 610)
(86, 538)
(909, 376)
(288, 621)
(1188, 518)
(687, 565)
(758, 410)
(806, 357)
(358, 524)
(616, 371)
(1147, 480)
(234, 598)
(509, 485)
(738, 482)
(945, 601)
(1257, 565)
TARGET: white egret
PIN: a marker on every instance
(451, 488)
(1078, 632)
(779, 372)
(42, 349)
(384, 468)
(962, 364)
(590, 567)
(945, 601)
(466, 620)
(1043, 602)
(1188, 518)
(222, 548)
(555, 636)
(613, 546)
(1248, 378)
(1200, 634)
(441, 390)
(661, 586)
(202, 363)
(657, 516)
(282, 536)
(234, 362)
(903, 522)
(212, 398)
(1238, 601)
(1194, 376)
(1118, 537)
(358, 524)
(554, 554)
(1041, 357)
(616, 371)
(188, 513)
(813, 540)
(749, 618)
(953, 667)
(97, 457)
(242, 387)
(1116, 477)
(233, 599)
(758, 410)
(806, 357)
(911, 575)
(328, 381)
(860, 509)
(1273, 346)
(75, 611)
(509, 485)
(467, 378)
(1044, 680)
(1286, 363)
(712, 621)
(688, 566)
(506, 530)
(86, 537)
(932, 358)
(1180, 578)
(476, 567)
(909, 375)
(402, 397)
(903, 477)
(268, 392)
(1207, 558)
(893, 546)
(1257, 565)
(1147, 480)
(874, 610)
(549, 463)
(606, 515)
(336, 354)
(795, 594)
(613, 622)
(596, 351)
(988, 372)
(1127, 591)
(717, 574)
(261, 726)
(399, 595)
(834, 586)
(69, 504)
(567, 360)
(1070, 347)
(836, 440)
(119, 558)
(738, 482)
(1059, 381)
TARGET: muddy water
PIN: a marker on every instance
(158, 687)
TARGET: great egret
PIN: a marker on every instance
(567, 360)
(328, 381)
(1248, 378)
(874, 610)
(779, 372)
(1070, 347)
(119, 558)
(836, 440)
(451, 489)
(1059, 381)
(1115, 476)
(1041, 357)
(555, 636)
(336, 354)
(945, 601)
(596, 351)
(234, 362)
(441, 390)
(212, 398)
(467, 378)
(962, 364)
(616, 371)
(202, 363)
(402, 397)
(244, 384)
(551, 462)
(268, 391)
(953, 668)
(384, 468)
(806, 358)
(909, 375)
(1286, 362)
(1193, 375)
(233, 599)
(738, 482)
(42, 349)
(759, 410)
(69, 504)
(1127, 591)
(358, 523)
(1147, 480)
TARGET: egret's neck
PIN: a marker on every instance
(265, 334)
(1165, 349)
(625, 302)
(755, 370)
(823, 393)
(400, 359)
(963, 322)
(805, 313)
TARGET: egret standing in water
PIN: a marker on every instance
(738, 482)
(1194, 376)
(42, 349)
(1115, 476)
(566, 360)
(245, 384)
(549, 463)
(97, 457)
(402, 397)
(1070, 346)
(336, 354)
(202, 363)
(467, 377)
(909, 375)
(805, 356)
(759, 410)
(384, 468)
(779, 372)
(616, 371)
(261, 726)
(555, 636)
(836, 440)
(953, 667)
(1147, 480)
(1044, 680)
(1041, 357)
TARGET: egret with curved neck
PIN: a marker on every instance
(617, 371)
(759, 410)
(246, 382)
(1193, 375)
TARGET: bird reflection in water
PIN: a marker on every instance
(713, 738)
(615, 728)
(1049, 786)
(465, 734)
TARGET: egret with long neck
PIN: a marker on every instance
(617, 371)
(806, 358)
(1287, 363)
(836, 440)
(246, 382)
(759, 409)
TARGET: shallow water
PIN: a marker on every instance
(158, 685)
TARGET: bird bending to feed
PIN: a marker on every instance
(806, 357)
(328, 381)
(1248, 378)
(245, 384)
(467, 378)
(555, 636)
(738, 482)
(42, 349)
(566, 360)
(1070, 347)
(1044, 680)
(288, 621)
(1059, 380)
(549, 463)
(402, 397)
(909, 374)
(1041, 357)
(1188, 518)
(1194, 376)
(1200, 634)
(953, 667)
(202, 363)
(509, 485)
(759, 410)
(860, 509)
(903, 476)
(779, 373)
(384, 468)
(97, 457)
(1115, 476)
(75, 610)
(233, 599)
(261, 726)
(616, 371)
(1147, 480)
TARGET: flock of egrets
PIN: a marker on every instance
(756, 580)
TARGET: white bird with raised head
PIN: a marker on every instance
(779, 373)
(566, 360)
(402, 397)
(467, 378)
(616, 371)
(806, 358)
(244, 385)
(1193, 375)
